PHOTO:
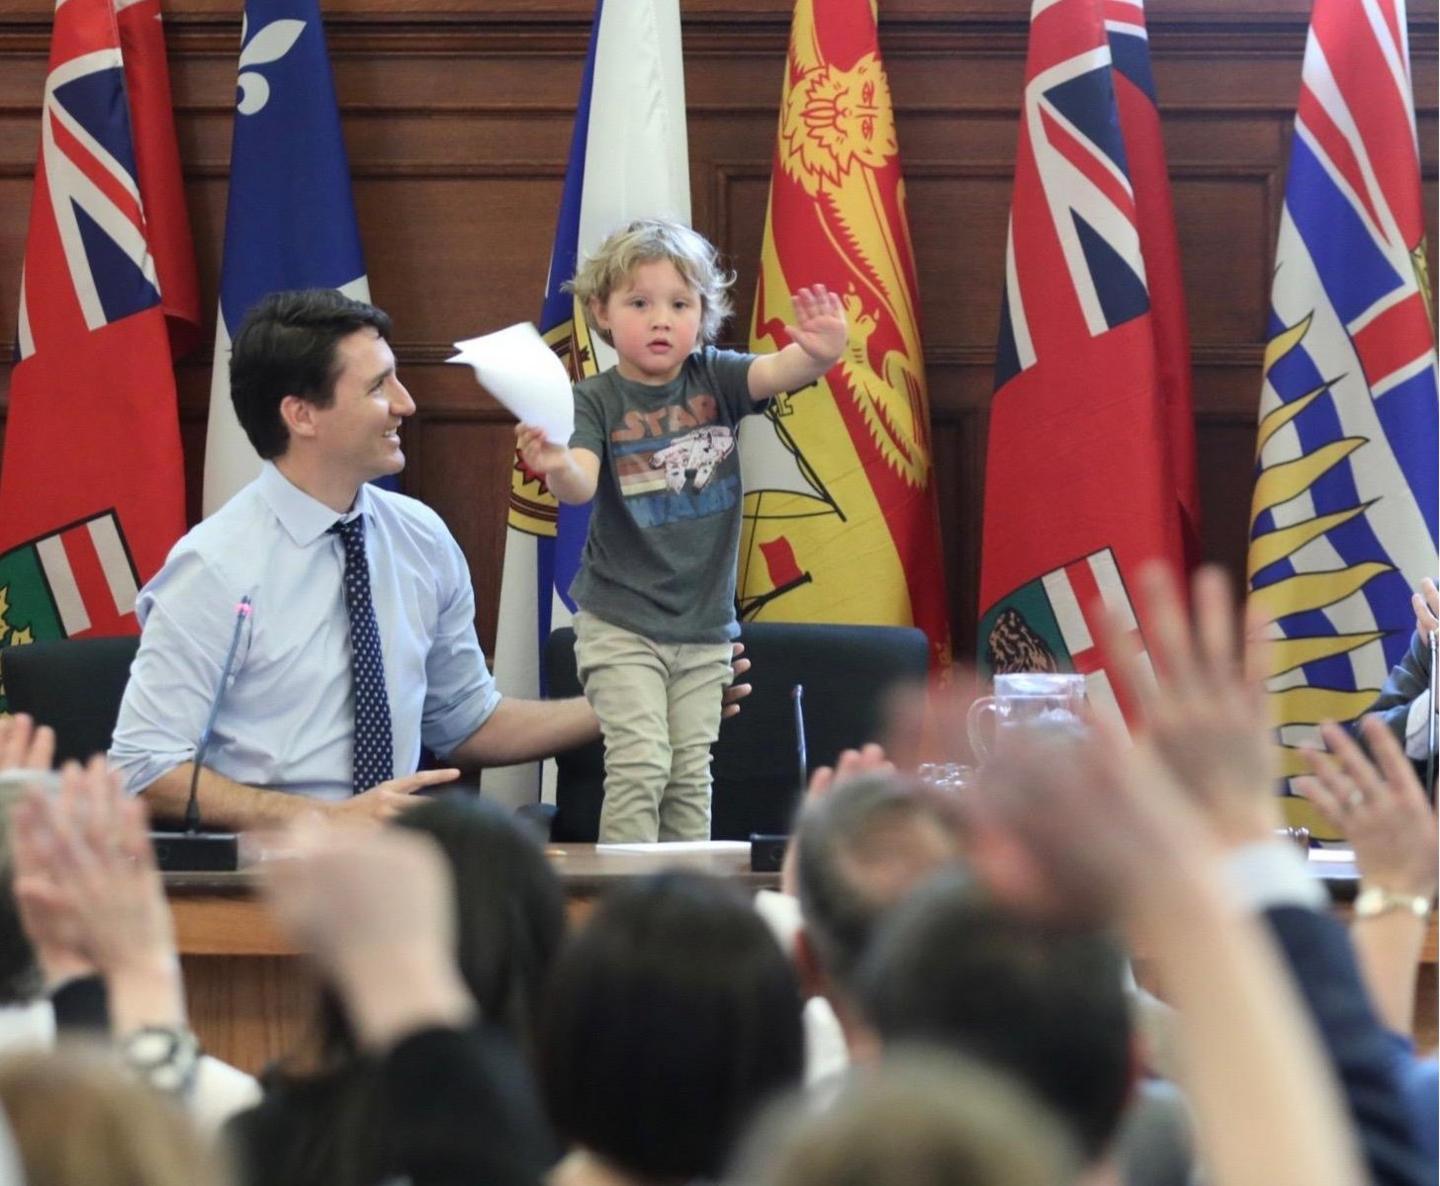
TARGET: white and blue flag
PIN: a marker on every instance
(628, 159)
(290, 220)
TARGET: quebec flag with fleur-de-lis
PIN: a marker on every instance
(290, 221)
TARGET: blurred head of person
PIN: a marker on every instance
(919, 1118)
(671, 1017)
(78, 1119)
(860, 850)
(952, 969)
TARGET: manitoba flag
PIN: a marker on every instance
(1080, 453)
(92, 483)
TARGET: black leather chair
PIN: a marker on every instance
(74, 685)
(846, 672)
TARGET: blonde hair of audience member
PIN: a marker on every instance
(79, 1120)
(648, 241)
(921, 1118)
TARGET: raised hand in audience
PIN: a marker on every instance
(87, 884)
(1203, 708)
(375, 910)
(24, 745)
(1382, 809)
(1096, 828)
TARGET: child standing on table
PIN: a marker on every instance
(654, 445)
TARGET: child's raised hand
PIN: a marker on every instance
(819, 327)
(539, 455)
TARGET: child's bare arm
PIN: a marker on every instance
(571, 474)
(817, 340)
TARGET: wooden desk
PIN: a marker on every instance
(250, 995)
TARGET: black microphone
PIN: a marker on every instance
(767, 849)
(1432, 726)
(193, 851)
(797, 698)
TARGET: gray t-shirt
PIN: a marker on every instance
(660, 556)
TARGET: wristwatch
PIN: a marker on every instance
(162, 1056)
(1373, 900)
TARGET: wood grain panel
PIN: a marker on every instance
(457, 116)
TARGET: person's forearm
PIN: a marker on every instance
(1388, 947)
(224, 803)
(525, 730)
(571, 484)
(1267, 1105)
(787, 370)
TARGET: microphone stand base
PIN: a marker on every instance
(196, 852)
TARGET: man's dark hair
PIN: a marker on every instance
(671, 1017)
(286, 346)
(953, 969)
(864, 825)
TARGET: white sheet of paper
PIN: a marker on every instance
(525, 375)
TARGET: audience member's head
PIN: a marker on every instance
(287, 346)
(672, 1015)
(509, 914)
(917, 1119)
(952, 969)
(860, 850)
(79, 1120)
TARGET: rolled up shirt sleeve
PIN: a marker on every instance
(461, 693)
(187, 616)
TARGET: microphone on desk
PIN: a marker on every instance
(192, 850)
(767, 850)
(1432, 726)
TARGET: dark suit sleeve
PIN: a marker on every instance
(81, 1005)
(1407, 679)
(1318, 952)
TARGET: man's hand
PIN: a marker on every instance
(1204, 710)
(736, 692)
(25, 747)
(819, 327)
(388, 799)
(1426, 603)
(1383, 812)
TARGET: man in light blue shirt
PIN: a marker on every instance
(314, 385)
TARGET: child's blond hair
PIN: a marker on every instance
(645, 241)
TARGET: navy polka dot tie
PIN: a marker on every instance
(374, 750)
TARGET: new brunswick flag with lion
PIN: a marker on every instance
(840, 522)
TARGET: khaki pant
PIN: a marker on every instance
(659, 710)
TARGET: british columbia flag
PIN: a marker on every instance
(1344, 516)
(92, 436)
(1079, 460)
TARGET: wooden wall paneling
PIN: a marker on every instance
(457, 116)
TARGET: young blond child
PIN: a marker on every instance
(654, 445)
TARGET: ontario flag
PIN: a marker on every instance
(1079, 460)
(1344, 518)
(840, 520)
(92, 486)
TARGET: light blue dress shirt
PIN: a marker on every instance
(287, 718)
